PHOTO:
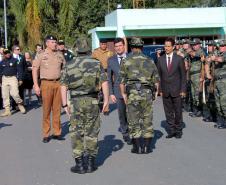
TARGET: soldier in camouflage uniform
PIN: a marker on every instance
(84, 77)
(209, 108)
(138, 77)
(197, 71)
(220, 85)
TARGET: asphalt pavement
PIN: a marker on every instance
(199, 158)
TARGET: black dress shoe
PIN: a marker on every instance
(171, 135)
(59, 138)
(45, 139)
(208, 119)
(127, 140)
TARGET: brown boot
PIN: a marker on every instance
(21, 108)
(7, 112)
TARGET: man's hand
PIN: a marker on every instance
(183, 95)
(37, 90)
(124, 98)
(68, 112)
(105, 107)
(161, 94)
(113, 98)
(20, 83)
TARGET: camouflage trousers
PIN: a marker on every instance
(84, 126)
(220, 95)
(196, 92)
(140, 115)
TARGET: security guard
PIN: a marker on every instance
(138, 78)
(83, 77)
(102, 54)
(68, 55)
(11, 69)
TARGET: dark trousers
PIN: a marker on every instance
(173, 111)
(122, 116)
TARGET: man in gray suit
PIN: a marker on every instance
(115, 95)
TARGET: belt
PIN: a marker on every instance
(93, 95)
(9, 76)
(105, 70)
(53, 80)
(220, 77)
(194, 72)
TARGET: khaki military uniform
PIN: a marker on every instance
(102, 56)
(50, 64)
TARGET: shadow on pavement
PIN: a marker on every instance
(157, 135)
(4, 125)
(112, 107)
(107, 147)
(65, 128)
(165, 125)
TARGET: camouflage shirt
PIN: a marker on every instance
(83, 76)
(138, 68)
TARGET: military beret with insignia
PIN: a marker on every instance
(50, 37)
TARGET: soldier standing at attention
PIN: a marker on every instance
(197, 75)
(220, 84)
(83, 77)
(10, 68)
(138, 78)
(50, 63)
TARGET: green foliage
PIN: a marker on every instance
(69, 19)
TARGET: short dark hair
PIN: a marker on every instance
(14, 47)
(169, 39)
(117, 40)
(38, 45)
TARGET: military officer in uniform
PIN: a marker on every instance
(68, 55)
(49, 62)
(138, 77)
(84, 76)
(102, 54)
(10, 69)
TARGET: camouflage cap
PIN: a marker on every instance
(196, 41)
(222, 43)
(82, 45)
(186, 41)
(211, 43)
(178, 42)
(136, 41)
(61, 42)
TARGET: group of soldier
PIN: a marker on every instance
(84, 76)
(206, 78)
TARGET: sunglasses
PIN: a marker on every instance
(18, 49)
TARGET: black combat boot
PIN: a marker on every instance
(91, 164)
(79, 166)
(146, 149)
(136, 146)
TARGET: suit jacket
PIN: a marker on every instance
(172, 82)
(113, 76)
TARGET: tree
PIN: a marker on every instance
(33, 23)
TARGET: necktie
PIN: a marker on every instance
(169, 63)
(120, 59)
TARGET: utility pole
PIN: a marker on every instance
(5, 22)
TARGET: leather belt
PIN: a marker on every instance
(52, 80)
(194, 72)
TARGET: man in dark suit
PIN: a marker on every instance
(171, 69)
(115, 95)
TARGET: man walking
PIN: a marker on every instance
(50, 63)
(172, 74)
(113, 79)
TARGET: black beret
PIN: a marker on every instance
(50, 37)
(103, 40)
